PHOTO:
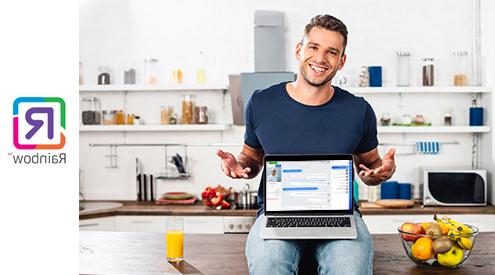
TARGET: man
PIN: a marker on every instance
(273, 176)
(309, 116)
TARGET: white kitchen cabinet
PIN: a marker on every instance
(388, 224)
(97, 224)
(192, 224)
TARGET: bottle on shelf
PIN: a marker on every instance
(475, 114)
(177, 76)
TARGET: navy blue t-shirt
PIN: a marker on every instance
(278, 124)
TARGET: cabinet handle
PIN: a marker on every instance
(89, 224)
(141, 222)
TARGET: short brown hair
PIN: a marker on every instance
(327, 22)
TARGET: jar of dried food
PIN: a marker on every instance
(130, 76)
(104, 75)
(403, 68)
(177, 76)
(165, 114)
(187, 109)
(91, 111)
(200, 115)
(428, 71)
(385, 119)
(109, 117)
(460, 67)
(151, 71)
(119, 117)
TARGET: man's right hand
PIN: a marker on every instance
(231, 167)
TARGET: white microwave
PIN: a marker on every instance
(454, 187)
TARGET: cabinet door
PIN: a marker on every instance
(192, 224)
(140, 223)
(97, 224)
(203, 225)
(388, 224)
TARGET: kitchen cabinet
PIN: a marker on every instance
(192, 224)
(97, 224)
(388, 224)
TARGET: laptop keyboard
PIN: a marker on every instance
(309, 222)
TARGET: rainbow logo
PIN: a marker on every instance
(39, 123)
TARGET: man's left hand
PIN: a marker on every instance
(381, 173)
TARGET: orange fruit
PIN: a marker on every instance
(445, 228)
(422, 249)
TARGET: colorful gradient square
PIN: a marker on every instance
(20, 100)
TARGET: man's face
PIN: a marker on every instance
(274, 172)
(320, 56)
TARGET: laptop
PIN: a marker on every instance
(308, 197)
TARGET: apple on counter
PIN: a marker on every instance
(413, 228)
(216, 197)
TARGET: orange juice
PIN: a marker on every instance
(175, 245)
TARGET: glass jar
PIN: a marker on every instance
(385, 119)
(447, 118)
(109, 117)
(460, 67)
(104, 75)
(200, 115)
(177, 76)
(187, 109)
(428, 71)
(165, 114)
(130, 76)
(364, 77)
(403, 68)
(130, 119)
(151, 71)
(200, 72)
(406, 120)
(119, 117)
(90, 111)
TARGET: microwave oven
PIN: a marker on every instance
(454, 187)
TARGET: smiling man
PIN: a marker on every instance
(310, 116)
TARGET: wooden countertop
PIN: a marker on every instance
(144, 253)
(149, 208)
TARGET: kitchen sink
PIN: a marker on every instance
(89, 207)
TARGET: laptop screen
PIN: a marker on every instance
(308, 185)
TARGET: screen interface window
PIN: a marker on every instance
(308, 185)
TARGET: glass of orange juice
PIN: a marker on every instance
(175, 238)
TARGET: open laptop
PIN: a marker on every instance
(308, 197)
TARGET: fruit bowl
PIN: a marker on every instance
(448, 247)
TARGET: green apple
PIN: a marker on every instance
(452, 257)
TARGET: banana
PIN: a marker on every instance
(454, 234)
(465, 243)
(442, 221)
(462, 228)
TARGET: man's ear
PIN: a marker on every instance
(342, 61)
(299, 47)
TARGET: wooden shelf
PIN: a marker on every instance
(153, 128)
(433, 129)
(419, 89)
(147, 88)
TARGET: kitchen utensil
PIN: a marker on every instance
(145, 188)
(177, 196)
(152, 189)
(189, 201)
(179, 164)
(395, 203)
(372, 205)
(138, 180)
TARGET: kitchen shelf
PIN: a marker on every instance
(419, 89)
(433, 129)
(153, 128)
(148, 88)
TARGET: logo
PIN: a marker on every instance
(39, 123)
